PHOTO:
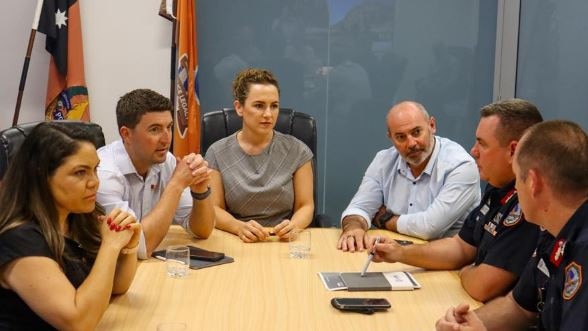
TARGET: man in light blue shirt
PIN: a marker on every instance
(424, 186)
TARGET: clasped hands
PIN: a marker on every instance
(192, 170)
(460, 318)
(251, 231)
(120, 229)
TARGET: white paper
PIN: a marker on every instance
(401, 280)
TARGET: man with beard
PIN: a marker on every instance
(493, 246)
(423, 186)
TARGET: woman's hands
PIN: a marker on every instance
(283, 229)
(251, 231)
(120, 229)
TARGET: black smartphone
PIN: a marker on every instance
(360, 304)
(403, 242)
(203, 254)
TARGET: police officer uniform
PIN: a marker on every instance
(498, 229)
(553, 281)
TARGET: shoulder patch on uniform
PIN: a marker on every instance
(573, 280)
(514, 217)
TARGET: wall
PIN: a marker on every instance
(126, 46)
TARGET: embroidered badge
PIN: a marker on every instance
(514, 216)
(557, 252)
(573, 280)
(508, 196)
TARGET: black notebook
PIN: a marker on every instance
(372, 281)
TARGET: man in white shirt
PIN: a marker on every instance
(138, 173)
(425, 184)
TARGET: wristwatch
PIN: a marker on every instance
(381, 221)
(200, 196)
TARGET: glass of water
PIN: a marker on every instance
(177, 259)
(299, 244)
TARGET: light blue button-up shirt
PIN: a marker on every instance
(122, 187)
(431, 206)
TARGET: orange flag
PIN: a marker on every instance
(187, 105)
(67, 95)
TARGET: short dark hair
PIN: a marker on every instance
(26, 195)
(559, 150)
(516, 115)
(246, 77)
(133, 105)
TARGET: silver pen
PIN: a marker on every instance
(370, 257)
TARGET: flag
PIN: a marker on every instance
(187, 103)
(67, 95)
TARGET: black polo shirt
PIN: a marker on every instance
(553, 281)
(499, 231)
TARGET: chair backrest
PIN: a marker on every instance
(219, 124)
(223, 123)
(12, 138)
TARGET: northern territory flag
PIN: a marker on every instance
(187, 104)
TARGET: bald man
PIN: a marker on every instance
(423, 186)
(495, 242)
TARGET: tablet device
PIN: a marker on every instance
(203, 254)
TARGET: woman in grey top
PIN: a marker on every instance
(261, 178)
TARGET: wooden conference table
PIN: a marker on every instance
(266, 290)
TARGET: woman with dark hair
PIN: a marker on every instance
(61, 258)
(261, 178)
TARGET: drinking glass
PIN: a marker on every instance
(299, 244)
(177, 260)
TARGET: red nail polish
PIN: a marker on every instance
(108, 221)
(128, 226)
(118, 228)
(112, 226)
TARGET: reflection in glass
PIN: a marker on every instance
(346, 62)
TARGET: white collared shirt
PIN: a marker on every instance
(122, 187)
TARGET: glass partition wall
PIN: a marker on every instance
(346, 62)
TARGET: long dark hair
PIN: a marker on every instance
(25, 195)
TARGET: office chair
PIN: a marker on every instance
(223, 123)
(12, 138)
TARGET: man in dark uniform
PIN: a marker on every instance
(551, 165)
(495, 242)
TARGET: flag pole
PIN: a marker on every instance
(25, 67)
(174, 44)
